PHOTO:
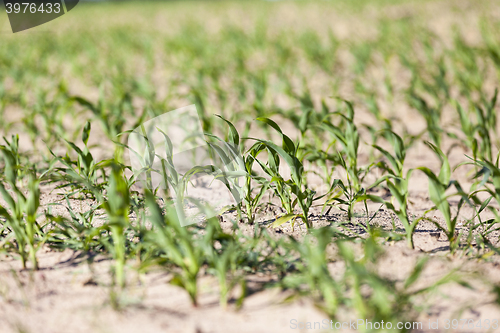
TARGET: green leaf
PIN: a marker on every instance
(288, 144)
(234, 137)
(284, 219)
(445, 172)
(417, 271)
(86, 133)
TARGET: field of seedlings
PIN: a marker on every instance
(367, 193)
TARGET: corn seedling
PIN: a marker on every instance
(431, 115)
(77, 232)
(224, 254)
(285, 189)
(246, 192)
(82, 173)
(176, 244)
(21, 211)
(349, 141)
(326, 291)
(438, 184)
(490, 173)
(397, 183)
(117, 206)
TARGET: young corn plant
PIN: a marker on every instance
(431, 115)
(21, 211)
(486, 127)
(438, 184)
(82, 173)
(78, 232)
(251, 201)
(250, 197)
(469, 129)
(397, 183)
(312, 271)
(111, 117)
(285, 190)
(483, 230)
(491, 183)
(348, 138)
(372, 296)
(117, 206)
(146, 160)
(176, 244)
(228, 168)
(312, 140)
(12, 147)
(479, 135)
(225, 255)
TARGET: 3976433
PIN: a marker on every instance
(27, 7)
